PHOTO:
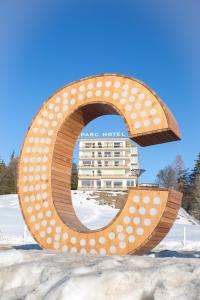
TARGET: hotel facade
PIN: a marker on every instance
(107, 163)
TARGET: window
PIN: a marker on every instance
(87, 183)
(117, 183)
(98, 183)
(99, 173)
(107, 154)
(117, 144)
(99, 145)
(87, 162)
(106, 163)
(99, 163)
(108, 183)
(117, 154)
(99, 154)
(88, 145)
(130, 183)
(116, 163)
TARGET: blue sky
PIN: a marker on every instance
(47, 44)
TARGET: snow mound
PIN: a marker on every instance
(46, 275)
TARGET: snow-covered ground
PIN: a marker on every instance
(171, 272)
(35, 275)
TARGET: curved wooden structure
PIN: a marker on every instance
(46, 160)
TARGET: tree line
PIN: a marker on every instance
(174, 176)
(186, 181)
(8, 176)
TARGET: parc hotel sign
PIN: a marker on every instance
(118, 134)
(44, 178)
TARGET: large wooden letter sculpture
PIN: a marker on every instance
(46, 160)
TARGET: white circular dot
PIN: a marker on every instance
(99, 84)
(49, 230)
(53, 222)
(89, 94)
(29, 209)
(42, 234)
(92, 242)
(115, 96)
(147, 123)
(129, 229)
(126, 219)
(142, 210)
(82, 88)
(90, 85)
(54, 123)
(131, 98)
(82, 242)
(152, 111)
(98, 93)
(102, 240)
(32, 218)
(136, 199)
(58, 100)
(121, 236)
(153, 211)
(132, 209)
(131, 239)
(112, 249)
(134, 90)
(122, 100)
(73, 101)
(136, 220)
(119, 228)
(58, 229)
(48, 214)
(83, 251)
(138, 105)
(73, 91)
(108, 83)
(156, 121)
(140, 231)
(102, 251)
(137, 124)
(59, 115)
(111, 235)
(73, 250)
(65, 236)
(37, 207)
(57, 237)
(147, 222)
(73, 240)
(128, 107)
(133, 116)
(156, 200)
(65, 94)
(51, 116)
(124, 94)
(107, 93)
(37, 226)
(117, 84)
(141, 96)
(148, 103)
(44, 223)
(49, 240)
(146, 199)
(80, 97)
(65, 248)
(122, 245)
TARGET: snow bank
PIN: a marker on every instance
(46, 275)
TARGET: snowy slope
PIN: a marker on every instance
(93, 216)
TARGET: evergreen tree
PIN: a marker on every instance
(195, 189)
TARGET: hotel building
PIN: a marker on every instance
(107, 164)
